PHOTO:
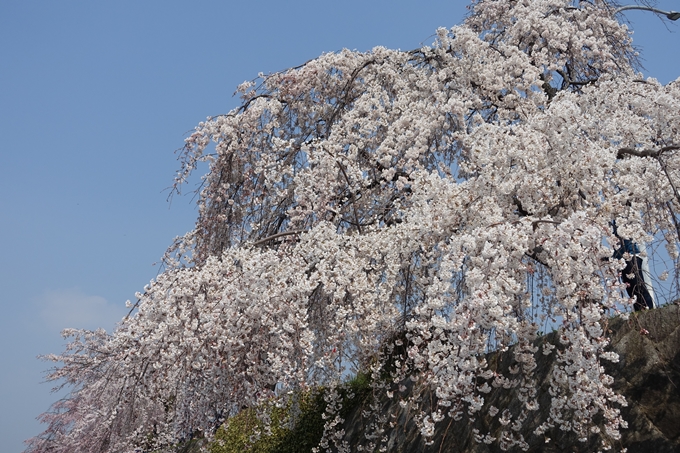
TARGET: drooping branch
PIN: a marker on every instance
(276, 236)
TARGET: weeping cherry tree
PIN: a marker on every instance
(364, 199)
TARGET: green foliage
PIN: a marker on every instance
(244, 432)
(355, 392)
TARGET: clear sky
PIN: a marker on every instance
(95, 97)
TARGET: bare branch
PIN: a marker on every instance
(645, 152)
(276, 236)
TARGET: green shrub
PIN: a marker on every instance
(238, 434)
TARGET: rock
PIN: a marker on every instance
(647, 374)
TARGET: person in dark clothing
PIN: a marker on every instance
(636, 274)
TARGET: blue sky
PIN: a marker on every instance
(95, 97)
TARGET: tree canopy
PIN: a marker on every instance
(405, 213)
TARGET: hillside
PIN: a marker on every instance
(647, 374)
